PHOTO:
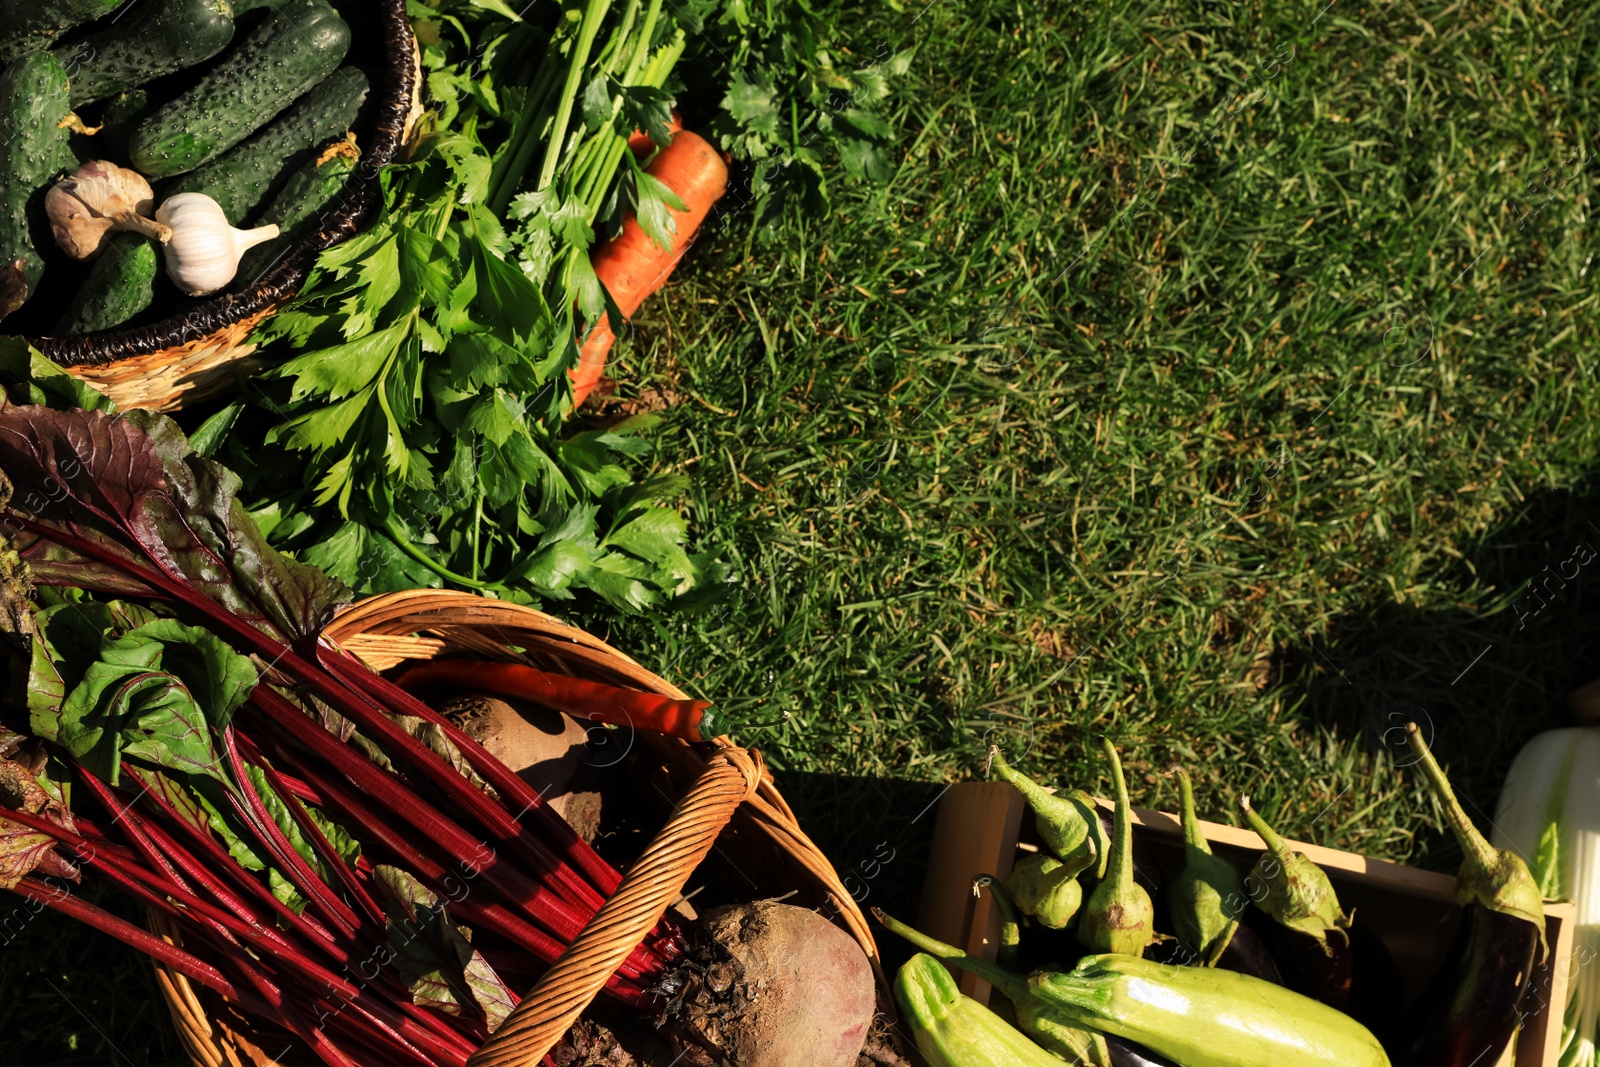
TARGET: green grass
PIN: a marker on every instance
(965, 437)
(968, 437)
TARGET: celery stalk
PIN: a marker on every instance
(1549, 812)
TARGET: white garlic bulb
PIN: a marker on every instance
(203, 253)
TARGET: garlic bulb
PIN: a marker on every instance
(96, 199)
(203, 252)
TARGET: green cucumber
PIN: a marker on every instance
(157, 37)
(117, 120)
(121, 283)
(31, 25)
(242, 179)
(295, 211)
(294, 49)
(33, 150)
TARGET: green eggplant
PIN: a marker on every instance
(1047, 889)
(1207, 898)
(1310, 935)
(1068, 824)
(951, 1030)
(1195, 1016)
(1471, 1009)
(1120, 916)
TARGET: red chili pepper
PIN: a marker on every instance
(578, 697)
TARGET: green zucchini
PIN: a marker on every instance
(157, 37)
(33, 150)
(951, 1030)
(31, 25)
(294, 49)
(242, 179)
(121, 283)
(1196, 1016)
(1205, 1017)
(296, 210)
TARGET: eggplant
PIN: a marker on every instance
(1067, 824)
(1120, 916)
(1470, 1011)
(1320, 968)
(1310, 938)
(1248, 953)
(1208, 895)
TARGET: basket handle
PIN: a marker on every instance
(650, 887)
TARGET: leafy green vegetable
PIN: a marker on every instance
(414, 428)
(435, 956)
(795, 104)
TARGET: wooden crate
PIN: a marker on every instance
(981, 829)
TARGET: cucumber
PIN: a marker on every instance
(296, 211)
(121, 283)
(295, 48)
(157, 37)
(117, 119)
(33, 150)
(34, 24)
(243, 179)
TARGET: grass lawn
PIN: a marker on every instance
(1215, 378)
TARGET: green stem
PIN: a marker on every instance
(1192, 837)
(1471, 839)
(1275, 843)
(1014, 986)
(619, 39)
(611, 145)
(518, 151)
(404, 544)
(594, 13)
(1121, 826)
(647, 31)
(1010, 927)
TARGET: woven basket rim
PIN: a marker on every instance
(392, 628)
(212, 318)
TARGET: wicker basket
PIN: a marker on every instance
(200, 353)
(727, 798)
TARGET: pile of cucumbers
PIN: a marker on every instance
(238, 99)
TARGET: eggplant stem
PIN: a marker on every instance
(1274, 843)
(1472, 840)
(1121, 824)
(1010, 927)
(1014, 986)
(1192, 837)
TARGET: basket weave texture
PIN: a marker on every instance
(727, 800)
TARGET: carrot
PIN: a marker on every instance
(578, 697)
(632, 266)
(639, 142)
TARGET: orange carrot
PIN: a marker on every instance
(632, 266)
(578, 697)
(640, 144)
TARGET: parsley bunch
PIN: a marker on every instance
(413, 432)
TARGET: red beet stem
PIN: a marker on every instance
(129, 934)
(220, 860)
(539, 903)
(290, 863)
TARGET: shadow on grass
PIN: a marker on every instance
(1480, 679)
(877, 832)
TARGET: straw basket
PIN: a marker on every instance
(726, 799)
(200, 353)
